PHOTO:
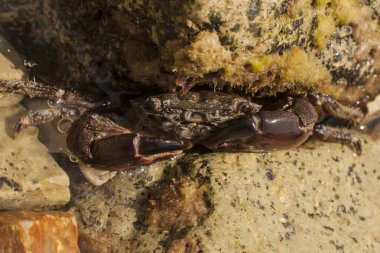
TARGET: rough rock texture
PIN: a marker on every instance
(266, 46)
(109, 211)
(34, 232)
(26, 180)
(320, 199)
(323, 195)
(261, 47)
(276, 202)
(91, 240)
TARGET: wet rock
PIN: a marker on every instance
(275, 202)
(176, 205)
(109, 211)
(91, 240)
(29, 176)
(262, 47)
(94, 176)
(34, 232)
(321, 193)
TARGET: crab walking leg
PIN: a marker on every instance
(131, 150)
(29, 88)
(336, 109)
(35, 118)
(36, 89)
(329, 133)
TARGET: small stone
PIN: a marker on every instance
(95, 176)
(36, 232)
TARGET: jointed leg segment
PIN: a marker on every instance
(329, 133)
(64, 100)
(334, 108)
(60, 95)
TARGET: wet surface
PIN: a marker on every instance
(322, 193)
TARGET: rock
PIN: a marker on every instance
(11, 68)
(109, 211)
(262, 47)
(95, 176)
(29, 176)
(321, 193)
(35, 232)
(92, 240)
(11, 64)
(176, 205)
(325, 195)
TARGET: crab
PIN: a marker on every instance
(163, 126)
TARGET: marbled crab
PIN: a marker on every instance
(162, 126)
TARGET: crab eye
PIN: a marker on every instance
(245, 108)
(153, 104)
(240, 105)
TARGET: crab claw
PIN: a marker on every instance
(96, 139)
(261, 132)
(131, 150)
(267, 130)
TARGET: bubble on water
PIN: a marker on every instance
(74, 158)
(73, 114)
(54, 103)
(64, 125)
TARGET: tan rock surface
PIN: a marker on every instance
(317, 199)
(29, 176)
(34, 232)
(308, 200)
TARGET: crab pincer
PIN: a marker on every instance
(278, 130)
(98, 140)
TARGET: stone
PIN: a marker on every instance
(324, 195)
(321, 193)
(95, 176)
(109, 211)
(92, 240)
(29, 176)
(36, 232)
(261, 47)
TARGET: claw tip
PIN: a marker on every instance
(187, 144)
(358, 147)
(16, 131)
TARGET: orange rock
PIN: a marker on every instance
(37, 232)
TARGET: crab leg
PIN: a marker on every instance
(35, 118)
(36, 89)
(329, 133)
(29, 88)
(336, 109)
(61, 100)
